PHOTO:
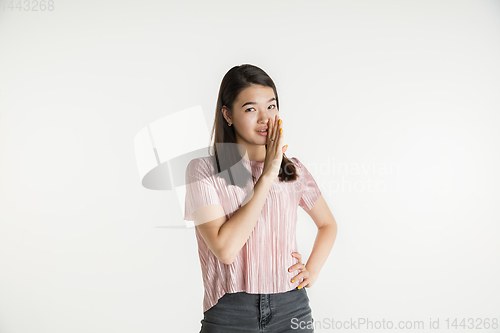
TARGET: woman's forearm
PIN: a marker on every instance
(234, 233)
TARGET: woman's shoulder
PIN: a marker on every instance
(296, 162)
(301, 168)
(199, 161)
(201, 166)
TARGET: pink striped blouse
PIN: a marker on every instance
(261, 266)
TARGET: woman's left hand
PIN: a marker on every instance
(309, 278)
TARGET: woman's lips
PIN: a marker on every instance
(262, 133)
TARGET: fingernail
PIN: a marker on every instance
(281, 130)
(299, 287)
(286, 146)
(293, 281)
(279, 122)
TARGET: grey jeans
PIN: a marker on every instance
(260, 313)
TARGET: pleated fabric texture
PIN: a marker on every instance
(261, 266)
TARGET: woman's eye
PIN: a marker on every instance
(273, 107)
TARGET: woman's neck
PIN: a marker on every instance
(255, 153)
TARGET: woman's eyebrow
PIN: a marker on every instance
(247, 103)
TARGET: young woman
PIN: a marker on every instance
(243, 200)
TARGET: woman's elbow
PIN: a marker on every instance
(226, 257)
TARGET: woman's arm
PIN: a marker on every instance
(226, 237)
(325, 238)
(235, 232)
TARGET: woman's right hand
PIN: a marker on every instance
(275, 149)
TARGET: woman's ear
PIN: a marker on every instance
(227, 114)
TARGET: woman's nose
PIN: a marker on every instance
(264, 116)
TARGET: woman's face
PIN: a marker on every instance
(251, 111)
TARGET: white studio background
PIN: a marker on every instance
(393, 106)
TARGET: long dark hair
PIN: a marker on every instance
(235, 80)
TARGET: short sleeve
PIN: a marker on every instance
(200, 189)
(310, 191)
